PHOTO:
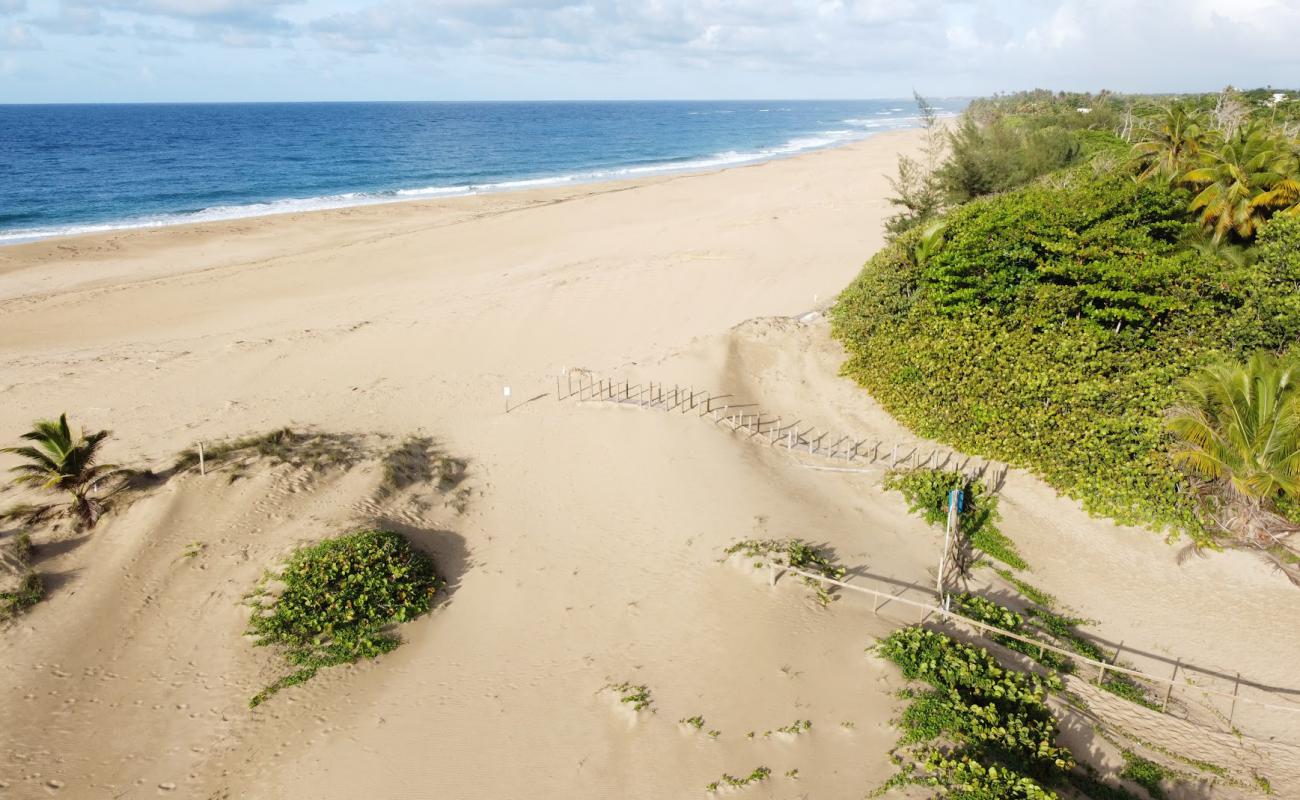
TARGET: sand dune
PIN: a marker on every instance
(590, 550)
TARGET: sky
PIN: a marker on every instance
(256, 50)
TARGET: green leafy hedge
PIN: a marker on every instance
(926, 492)
(982, 731)
(1051, 326)
(339, 598)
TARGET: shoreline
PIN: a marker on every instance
(48, 264)
(695, 165)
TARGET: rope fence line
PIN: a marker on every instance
(772, 429)
(776, 568)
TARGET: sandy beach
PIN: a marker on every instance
(586, 546)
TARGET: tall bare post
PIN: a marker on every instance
(950, 532)
(203, 469)
(893, 457)
(1170, 688)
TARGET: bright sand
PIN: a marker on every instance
(590, 550)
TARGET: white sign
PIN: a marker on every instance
(505, 390)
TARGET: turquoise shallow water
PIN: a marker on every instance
(79, 168)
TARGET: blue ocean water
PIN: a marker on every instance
(78, 168)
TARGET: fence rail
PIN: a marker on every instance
(775, 430)
(1233, 699)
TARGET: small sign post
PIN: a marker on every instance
(505, 392)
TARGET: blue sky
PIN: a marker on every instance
(207, 50)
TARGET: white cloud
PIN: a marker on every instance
(17, 36)
(679, 48)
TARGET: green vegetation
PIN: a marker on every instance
(983, 610)
(1145, 773)
(757, 775)
(1238, 434)
(29, 591)
(637, 695)
(981, 732)
(61, 460)
(926, 492)
(18, 550)
(338, 600)
(27, 588)
(417, 459)
(1030, 591)
(795, 728)
(796, 553)
(313, 450)
(1050, 320)
(1087, 784)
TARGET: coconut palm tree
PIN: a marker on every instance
(1172, 143)
(61, 461)
(1234, 182)
(1227, 255)
(1239, 437)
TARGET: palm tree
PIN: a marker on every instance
(63, 462)
(1235, 181)
(1172, 143)
(1217, 251)
(1239, 437)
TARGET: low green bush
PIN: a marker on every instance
(982, 731)
(29, 592)
(338, 601)
(1145, 773)
(1052, 325)
(926, 492)
(984, 610)
(797, 553)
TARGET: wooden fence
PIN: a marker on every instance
(1207, 698)
(762, 427)
(1194, 694)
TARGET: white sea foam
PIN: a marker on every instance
(727, 158)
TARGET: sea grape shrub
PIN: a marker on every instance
(1051, 328)
(1275, 292)
(981, 729)
(339, 599)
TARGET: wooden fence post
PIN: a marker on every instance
(1232, 711)
(1170, 688)
(203, 469)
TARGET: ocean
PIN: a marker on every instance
(81, 168)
